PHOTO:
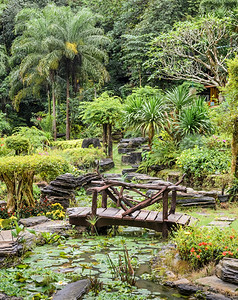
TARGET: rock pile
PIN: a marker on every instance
(129, 147)
(62, 189)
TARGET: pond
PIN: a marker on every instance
(52, 266)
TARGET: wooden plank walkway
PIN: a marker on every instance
(141, 218)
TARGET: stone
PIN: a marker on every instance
(134, 142)
(29, 239)
(227, 270)
(188, 289)
(220, 224)
(62, 189)
(33, 221)
(181, 281)
(212, 296)
(124, 150)
(145, 148)
(225, 219)
(112, 176)
(5, 297)
(91, 141)
(132, 158)
(57, 226)
(197, 201)
(208, 193)
(140, 177)
(158, 168)
(106, 164)
(129, 170)
(73, 291)
(223, 198)
(217, 284)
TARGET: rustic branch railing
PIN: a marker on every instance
(116, 191)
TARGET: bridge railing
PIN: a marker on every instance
(116, 191)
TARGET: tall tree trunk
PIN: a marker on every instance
(110, 154)
(234, 148)
(54, 106)
(54, 114)
(104, 138)
(67, 110)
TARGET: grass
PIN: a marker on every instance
(117, 161)
(229, 210)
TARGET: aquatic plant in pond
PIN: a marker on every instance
(79, 258)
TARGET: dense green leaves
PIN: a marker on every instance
(103, 110)
(144, 109)
(195, 50)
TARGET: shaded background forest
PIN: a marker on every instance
(130, 25)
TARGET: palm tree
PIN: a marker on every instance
(57, 42)
(33, 26)
(145, 110)
(75, 45)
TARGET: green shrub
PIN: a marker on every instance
(4, 151)
(37, 138)
(67, 144)
(18, 172)
(217, 142)
(83, 157)
(19, 144)
(164, 152)
(199, 246)
(197, 163)
(191, 141)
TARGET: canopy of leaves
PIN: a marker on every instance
(103, 110)
(195, 50)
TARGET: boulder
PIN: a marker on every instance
(106, 164)
(132, 158)
(227, 270)
(223, 198)
(129, 170)
(197, 201)
(91, 141)
(125, 150)
(73, 291)
(134, 142)
(32, 221)
(188, 289)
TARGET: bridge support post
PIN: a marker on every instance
(173, 202)
(165, 214)
(94, 210)
(94, 203)
(104, 199)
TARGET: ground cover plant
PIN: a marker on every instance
(88, 257)
(53, 211)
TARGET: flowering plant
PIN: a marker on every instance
(199, 246)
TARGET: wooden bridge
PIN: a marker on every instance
(130, 211)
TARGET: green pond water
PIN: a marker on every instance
(86, 257)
